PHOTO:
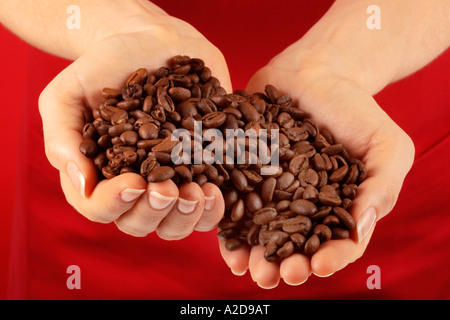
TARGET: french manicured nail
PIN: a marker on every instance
(159, 201)
(365, 223)
(323, 275)
(77, 178)
(238, 273)
(129, 195)
(186, 206)
(210, 202)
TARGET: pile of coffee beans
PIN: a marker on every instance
(299, 205)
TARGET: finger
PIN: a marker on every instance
(266, 274)
(236, 259)
(181, 220)
(335, 255)
(61, 109)
(295, 269)
(214, 208)
(387, 162)
(148, 212)
(110, 198)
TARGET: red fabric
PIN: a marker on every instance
(410, 245)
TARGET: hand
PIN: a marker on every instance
(349, 112)
(137, 207)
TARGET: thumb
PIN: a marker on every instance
(388, 163)
(62, 108)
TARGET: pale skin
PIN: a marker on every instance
(332, 73)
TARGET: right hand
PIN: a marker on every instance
(338, 104)
(137, 207)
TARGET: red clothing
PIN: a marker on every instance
(410, 245)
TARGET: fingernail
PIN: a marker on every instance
(323, 275)
(129, 195)
(365, 223)
(158, 201)
(186, 206)
(209, 202)
(77, 178)
(238, 273)
(295, 284)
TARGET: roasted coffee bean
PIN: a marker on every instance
(147, 166)
(298, 224)
(312, 244)
(302, 202)
(89, 148)
(264, 215)
(138, 77)
(253, 202)
(129, 137)
(239, 180)
(232, 244)
(286, 250)
(214, 119)
(179, 93)
(339, 233)
(238, 210)
(148, 131)
(184, 172)
(298, 163)
(329, 199)
(166, 145)
(303, 207)
(323, 232)
(267, 189)
(344, 217)
(110, 93)
(161, 174)
(298, 239)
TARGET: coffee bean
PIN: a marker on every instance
(161, 174)
(129, 138)
(148, 131)
(147, 166)
(344, 217)
(239, 180)
(89, 148)
(339, 233)
(323, 232)
(298, 163)
(232, 244)
(267, 189)
(264, 215)
(138, 77)
(298, 239)
(238, 210)
(253, 202)
(299, 224)
(214, 119)
(329, 199)
(179, 93)
(312, 245)
(303, 207)
(286, 250)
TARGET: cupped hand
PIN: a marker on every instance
(137, 207)
(351, 115)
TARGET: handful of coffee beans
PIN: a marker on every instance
(286, 183)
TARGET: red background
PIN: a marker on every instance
(420, 104)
